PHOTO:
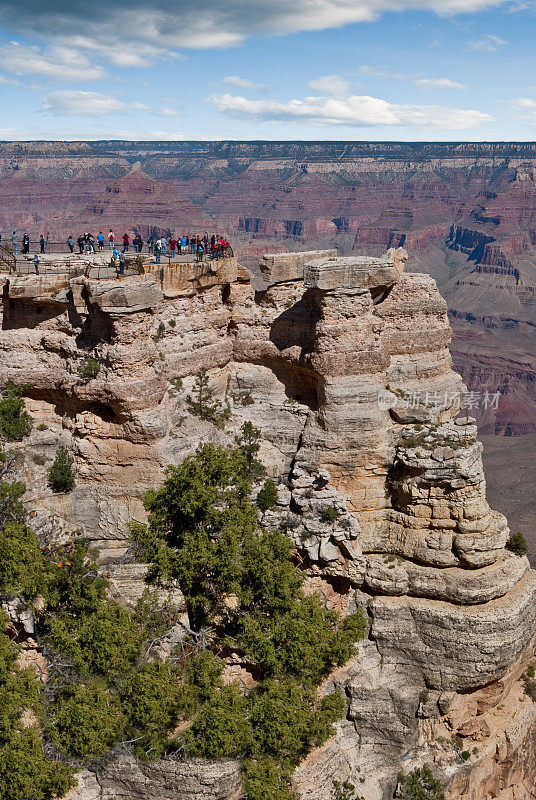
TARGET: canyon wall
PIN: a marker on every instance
(322, 358)
(466, 212)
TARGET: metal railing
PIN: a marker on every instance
(7, 259)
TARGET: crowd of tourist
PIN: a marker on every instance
(205, 246)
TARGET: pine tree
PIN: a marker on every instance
(203, 404)
(61, 473)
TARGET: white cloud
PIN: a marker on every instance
(524, 108)
(330, 84)
(354, 110)
(421, 83)
(523, 103)
(167, 26)
(168, 112)
(59, 63)
(244, 83)
(76, 102)
(438, 83)
(487, 44)
(380, 72)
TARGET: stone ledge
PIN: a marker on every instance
(355, 272)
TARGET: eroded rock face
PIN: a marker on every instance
(125, 778)
(348, 376)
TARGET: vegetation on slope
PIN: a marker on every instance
(104, 689)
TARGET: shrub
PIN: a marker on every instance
(103, 642)
(248, 441)
(61, 473)
(344, 791)
(15, 422)
(151, 699)
(85, 720)
(202, 403)
(221, 729)
(517, 544)
(22, 567)
(25, 772)
(42, 427)
(266, 779)
(285, 722)
(88, 369)
(267, 497)
(329, 514)
(466, 755)
(304, 642)
(420, 785)
(160, 332)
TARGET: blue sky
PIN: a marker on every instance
(267, 69)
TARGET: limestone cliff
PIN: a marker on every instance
(323, 360)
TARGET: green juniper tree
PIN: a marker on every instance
(61, 473)
(202, 402)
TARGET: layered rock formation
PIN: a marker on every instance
(344, 366)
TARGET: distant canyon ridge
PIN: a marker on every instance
(465, 212)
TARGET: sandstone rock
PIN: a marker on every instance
(385, 501)
(355, 272)
(283, 267)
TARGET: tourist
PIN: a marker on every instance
(158, 250)
(193, 244)
(80, 242)
(115, 257)
(36, 263)
(163, 245)
(184, 244)
(25, 243)
(172, 246)
(122, 263)
(91, 243)
(126, 241)
(150, 244)
(42, 243)
(14, 240)
(200, 250)
(100, 240)
(70, 242)
(111, 239)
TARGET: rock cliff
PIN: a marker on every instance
(344, 366)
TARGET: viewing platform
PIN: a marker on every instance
(99, 265)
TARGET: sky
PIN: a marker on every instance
(413, 70)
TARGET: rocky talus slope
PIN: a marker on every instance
(384, 499)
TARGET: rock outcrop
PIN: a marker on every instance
(344, 366)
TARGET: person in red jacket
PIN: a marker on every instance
(172, 246)
(125, 242)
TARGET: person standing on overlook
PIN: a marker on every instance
(158, 250)
(111, 239)
(100, 240)
(126, 241)
(36, 263)
(172, 246)
(42, 243)
(25, 243)
(80, 243)
(70, 242)
(14, 242)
